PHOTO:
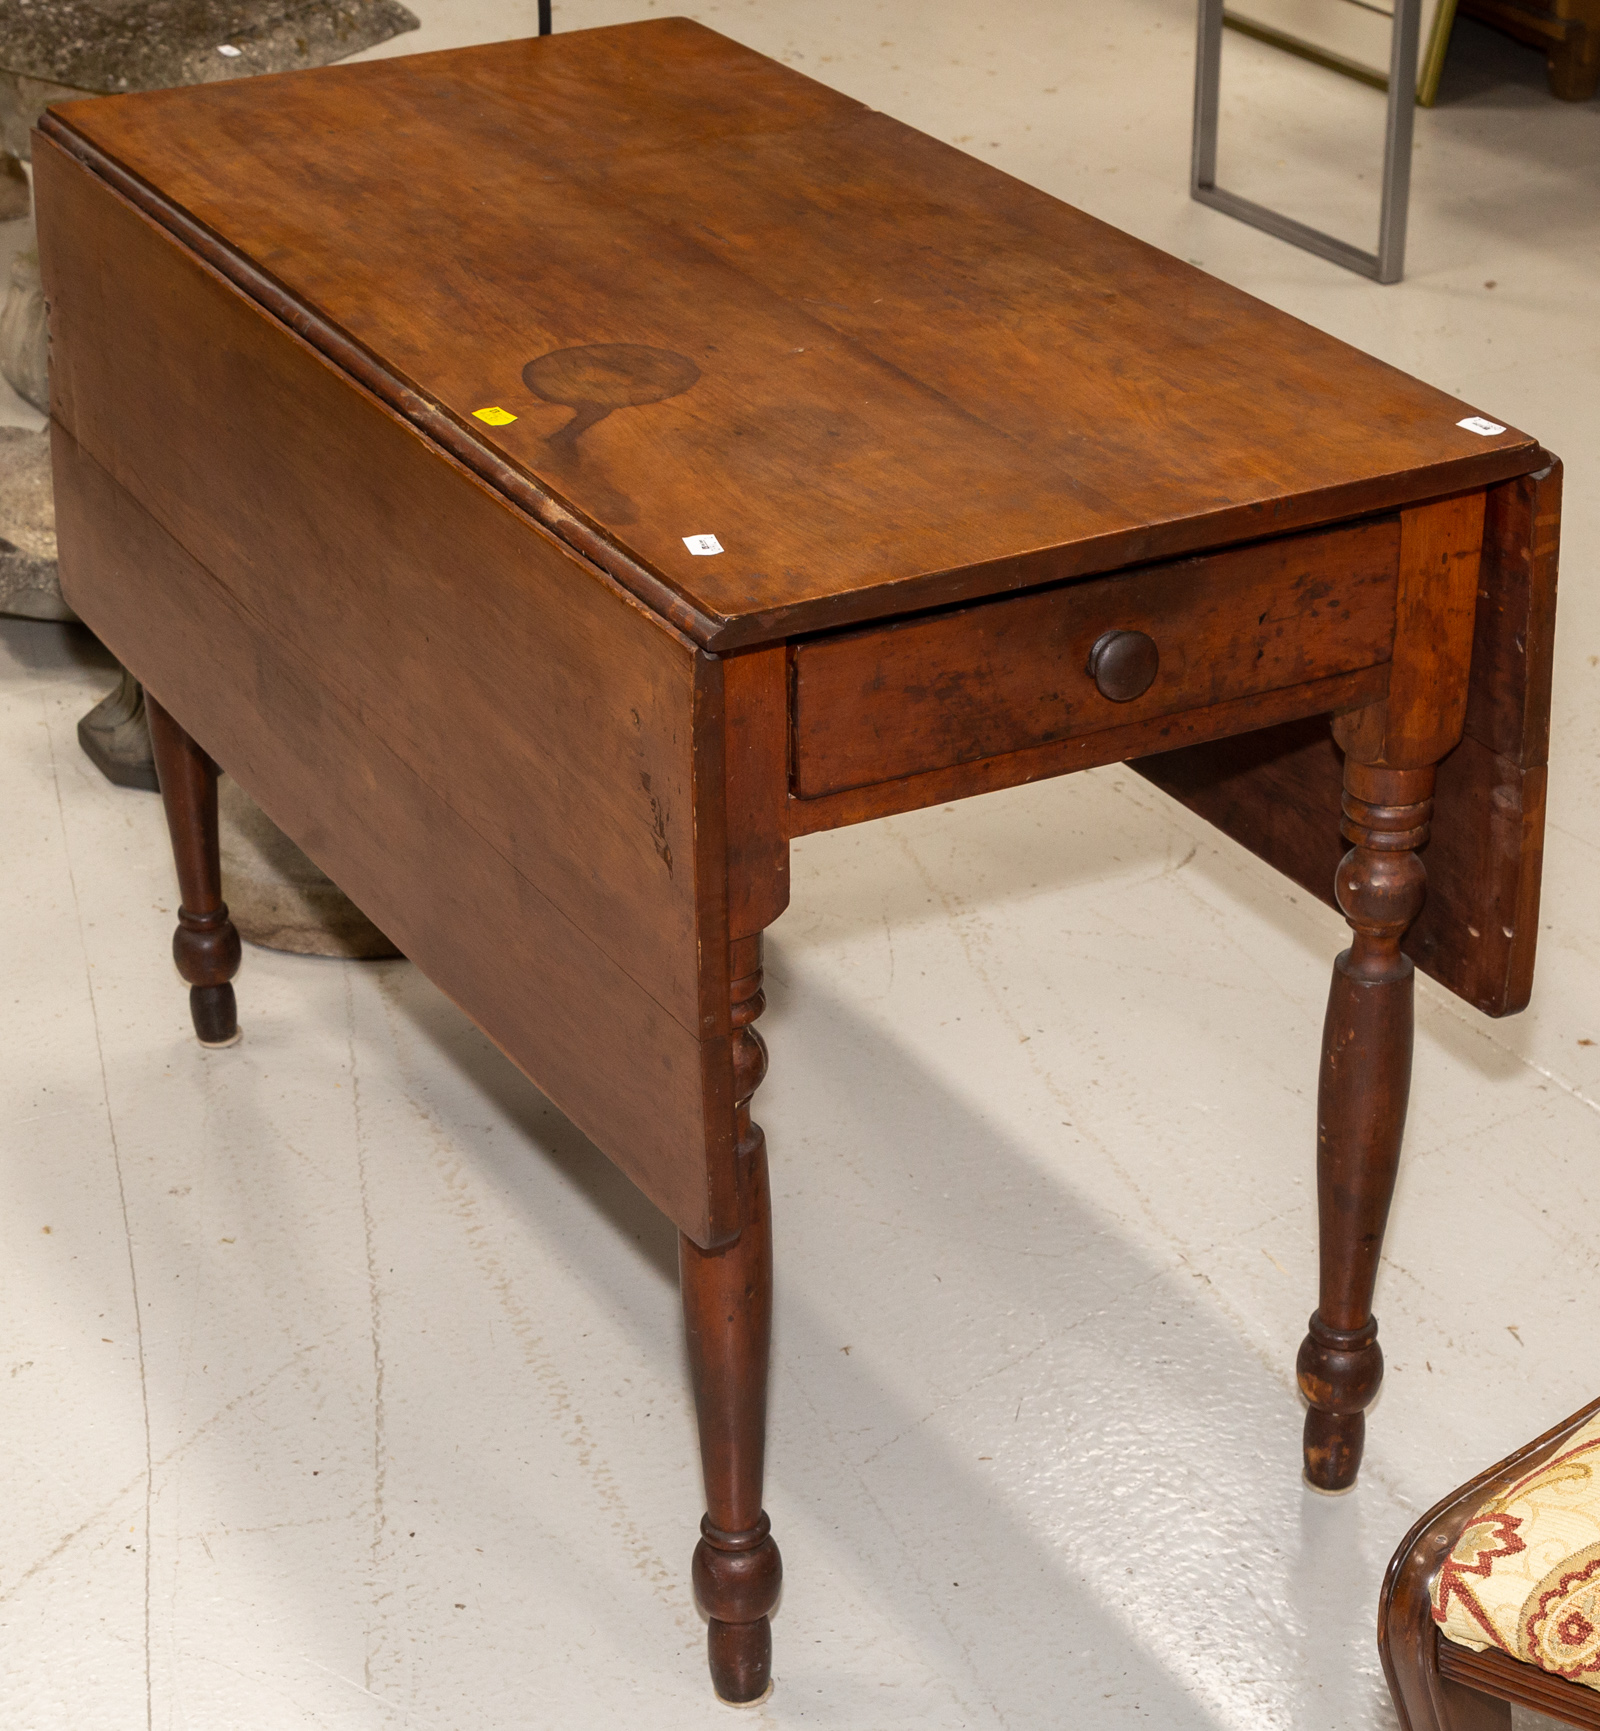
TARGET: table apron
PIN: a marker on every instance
(973, 698)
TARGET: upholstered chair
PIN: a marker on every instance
(1494, 1596)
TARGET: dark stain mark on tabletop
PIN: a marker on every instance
(597, 378)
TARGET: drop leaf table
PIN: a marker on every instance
(551, 476)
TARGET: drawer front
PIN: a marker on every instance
(948, 688)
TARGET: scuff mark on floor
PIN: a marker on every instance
(122, 1203)
(375, 1324)
(666, 1582)
(105, 1510)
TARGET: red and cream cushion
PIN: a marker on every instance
(1525, 1574)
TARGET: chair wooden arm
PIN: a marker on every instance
(1439, 1685)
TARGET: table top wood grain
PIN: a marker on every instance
(389, 404)
(722, 299)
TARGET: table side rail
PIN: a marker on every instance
(1498, 1674)
(1243, 715)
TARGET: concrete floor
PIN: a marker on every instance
(341, 1382)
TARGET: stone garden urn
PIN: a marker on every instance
(54, 51)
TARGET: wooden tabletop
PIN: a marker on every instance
(722, 300)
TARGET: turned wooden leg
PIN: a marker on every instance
(727, 1308)
(1361, 1107)
(205, 945)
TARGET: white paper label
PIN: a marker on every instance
(231, 52)
(702, 543)
(1477, 424)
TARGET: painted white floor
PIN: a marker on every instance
(340, 1379)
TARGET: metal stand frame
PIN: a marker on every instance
(1387, 264)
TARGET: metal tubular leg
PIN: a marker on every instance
(1397, 140)
(1207, 95)
(545, 25)
(1386, 264)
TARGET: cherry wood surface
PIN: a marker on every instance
(1087, 751)
(1437, 1684)
(554, 678)
(1277, 790)
(756, 711)
(895, 700)
(1392, 748)
(1566, 31)
(642, 1086)
(885, 375)
(473, 668)
(727, 1311)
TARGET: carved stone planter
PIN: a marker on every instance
(29, 587)
(57, 50)
(279, 898)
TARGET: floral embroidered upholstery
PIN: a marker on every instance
(1525, 1574)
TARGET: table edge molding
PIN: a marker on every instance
(1097, 556)
(352, 357)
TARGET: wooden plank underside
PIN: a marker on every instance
(1277, 792)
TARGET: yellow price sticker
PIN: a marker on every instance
(495, 417)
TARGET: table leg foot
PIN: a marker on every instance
(1331, 1445)
(1361, 1107)
(727, 1308)
(1339, 1374)
(205, 945)
(215, 1014)
(740, 1584)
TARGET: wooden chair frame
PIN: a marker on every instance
(1439, 1685)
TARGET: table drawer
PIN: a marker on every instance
(948, 688)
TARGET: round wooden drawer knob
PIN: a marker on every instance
(1123, 664)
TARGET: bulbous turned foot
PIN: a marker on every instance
(1339, 1371)
(737, 1578)
(205, 946)
(206, 949)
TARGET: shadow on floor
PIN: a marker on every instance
(45, 646)
(1093, 1567)
(1484, 67)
